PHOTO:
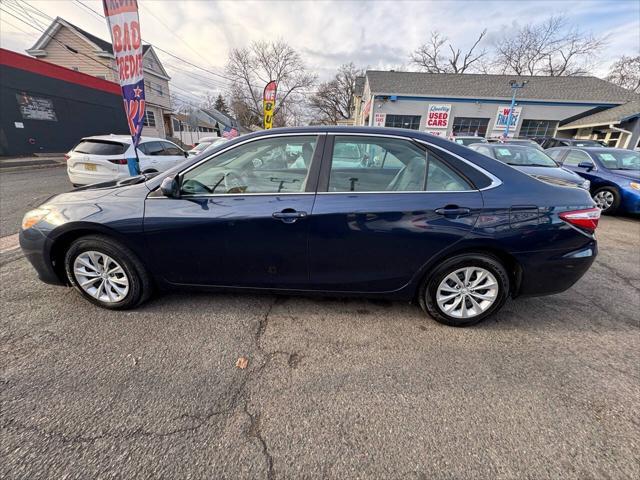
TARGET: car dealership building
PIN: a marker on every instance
(477, 104)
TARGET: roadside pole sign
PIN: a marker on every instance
(438, 115)
(124, 26)
(379, 119)
(269, 103)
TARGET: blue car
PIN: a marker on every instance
(532, 161)
(614, 174)
(325, 210)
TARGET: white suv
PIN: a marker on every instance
(103, 158)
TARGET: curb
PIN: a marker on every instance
(22, 168)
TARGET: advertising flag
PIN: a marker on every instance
(269, 103)
(124, 25)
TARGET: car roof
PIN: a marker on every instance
(123, 138)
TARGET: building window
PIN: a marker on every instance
(101, 76)
(75, 69)
(538, 128)
(149, 119)
(403, 121)
(470, 126)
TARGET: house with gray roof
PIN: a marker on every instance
(618, 126)
(477, 104)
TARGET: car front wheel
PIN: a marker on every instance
(607, 199)
(107, 273)
(465, 289)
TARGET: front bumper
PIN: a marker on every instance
(37, 248)
(551, 271)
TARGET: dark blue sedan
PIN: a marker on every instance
(614, 174)
(327, 210)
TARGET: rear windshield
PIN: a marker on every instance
(523, 156)
(100, 147)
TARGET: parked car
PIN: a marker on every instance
(551, 142)
(532, 161)
(418, 217)
(527, 142)
(614, 174)
(103, 158)
(468, 140)
(206, 144)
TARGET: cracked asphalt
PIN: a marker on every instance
(549, 388)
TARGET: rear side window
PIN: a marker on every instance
(171, 149)
(153, 148)
(377, 164)
(100, 147)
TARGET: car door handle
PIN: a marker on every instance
(453, 211)
(289, 215)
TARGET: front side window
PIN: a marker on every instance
(403, 121)
(271, 165)
(378, 164)
(170, 149)
(470, 126)
(574, 157)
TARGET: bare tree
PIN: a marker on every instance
(436, 56)
(625, 72)
(333, 100)
(552, 47)
(253, 67)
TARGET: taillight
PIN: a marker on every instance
(118, 161)
(586, 219)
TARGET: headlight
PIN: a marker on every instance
(635, 185)
(34, 216)
(586, 185)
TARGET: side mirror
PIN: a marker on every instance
(586, 165)
(170, 188)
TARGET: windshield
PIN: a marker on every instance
(470, 140)
(588, 143)
(619, 159)
(523, 156)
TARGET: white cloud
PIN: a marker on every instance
(328, 33)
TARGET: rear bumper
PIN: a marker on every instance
(80, 178)
(37, 248)
(550, 271)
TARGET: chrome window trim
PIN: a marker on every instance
(393, 192)
(255, 194)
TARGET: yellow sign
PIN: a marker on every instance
(269, 104)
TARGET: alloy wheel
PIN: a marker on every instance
(467, 292)
(101, 276)
(604, 199)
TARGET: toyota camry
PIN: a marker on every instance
(345, 211)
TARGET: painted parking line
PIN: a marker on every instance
(9, 243)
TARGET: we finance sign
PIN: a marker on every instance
(438, 115)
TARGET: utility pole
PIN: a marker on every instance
(514, 86)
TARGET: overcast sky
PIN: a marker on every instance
(377, 34)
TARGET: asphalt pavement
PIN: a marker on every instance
(25, 189)
(548, 388)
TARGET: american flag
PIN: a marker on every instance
(229, 133)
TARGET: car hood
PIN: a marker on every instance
(98, 190)
(631, 174)
(556, 176)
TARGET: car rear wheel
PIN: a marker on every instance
(607, 199)
(107, 273)
(465, 289)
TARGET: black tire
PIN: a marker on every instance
(140, 284)
(428, 290)
(615, 205)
